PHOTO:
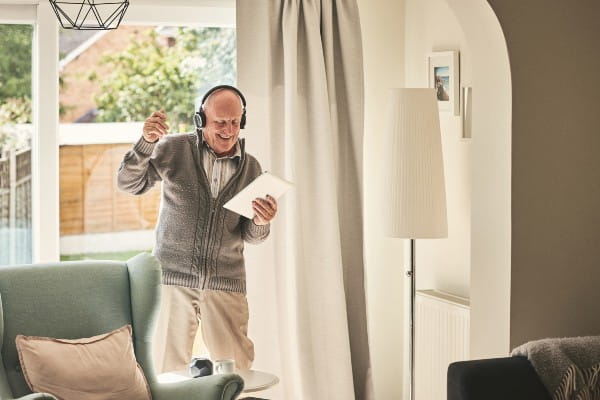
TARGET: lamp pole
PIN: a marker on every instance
(411, 340)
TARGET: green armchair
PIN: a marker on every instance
(80, 299)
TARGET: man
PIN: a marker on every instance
(198, 242)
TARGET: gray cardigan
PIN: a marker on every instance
(199, 243)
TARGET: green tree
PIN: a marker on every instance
(15, 61)
(213, 55)
(15, 114)
(147, 75)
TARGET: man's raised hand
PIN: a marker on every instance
(155, 126)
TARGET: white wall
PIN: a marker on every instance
(475, 260)
(382, 31)
(443, 264)
(490, 177)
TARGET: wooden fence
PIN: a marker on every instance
(89, 199)
(15, 207)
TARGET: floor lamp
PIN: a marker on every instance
(417, 208)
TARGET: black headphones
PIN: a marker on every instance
(200, 116)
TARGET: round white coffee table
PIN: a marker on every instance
(254, 381)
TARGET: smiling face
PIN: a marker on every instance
(223, 110)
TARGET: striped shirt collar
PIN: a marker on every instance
(237, 154)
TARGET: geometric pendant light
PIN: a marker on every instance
(89, 14)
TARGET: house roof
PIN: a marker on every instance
(75, 43)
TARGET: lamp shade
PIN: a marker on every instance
(414, 163)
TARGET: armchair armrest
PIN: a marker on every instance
(213, 387)
(495, 379)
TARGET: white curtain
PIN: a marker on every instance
(300, 67)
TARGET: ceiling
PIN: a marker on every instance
(206, 3)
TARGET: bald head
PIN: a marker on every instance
(223, 110)
(223, 98)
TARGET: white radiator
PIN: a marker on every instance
(441, 337)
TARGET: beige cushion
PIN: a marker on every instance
(95, 368)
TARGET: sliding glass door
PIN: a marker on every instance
(58, 159)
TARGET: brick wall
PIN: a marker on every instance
(77, 93)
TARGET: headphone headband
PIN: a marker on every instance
(200, 116)
(220, 87)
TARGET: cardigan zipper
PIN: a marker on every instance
(208, 236)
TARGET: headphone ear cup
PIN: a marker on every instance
(197, 120)
(202, 118)
(243, 120)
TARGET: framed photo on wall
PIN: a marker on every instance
(444, 74)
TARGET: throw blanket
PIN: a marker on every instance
(568, 367)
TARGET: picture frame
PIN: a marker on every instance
(444, 76)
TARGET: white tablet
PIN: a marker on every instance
(264, 184)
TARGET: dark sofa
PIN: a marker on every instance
(506, 378)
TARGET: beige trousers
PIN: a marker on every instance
(222, 316)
